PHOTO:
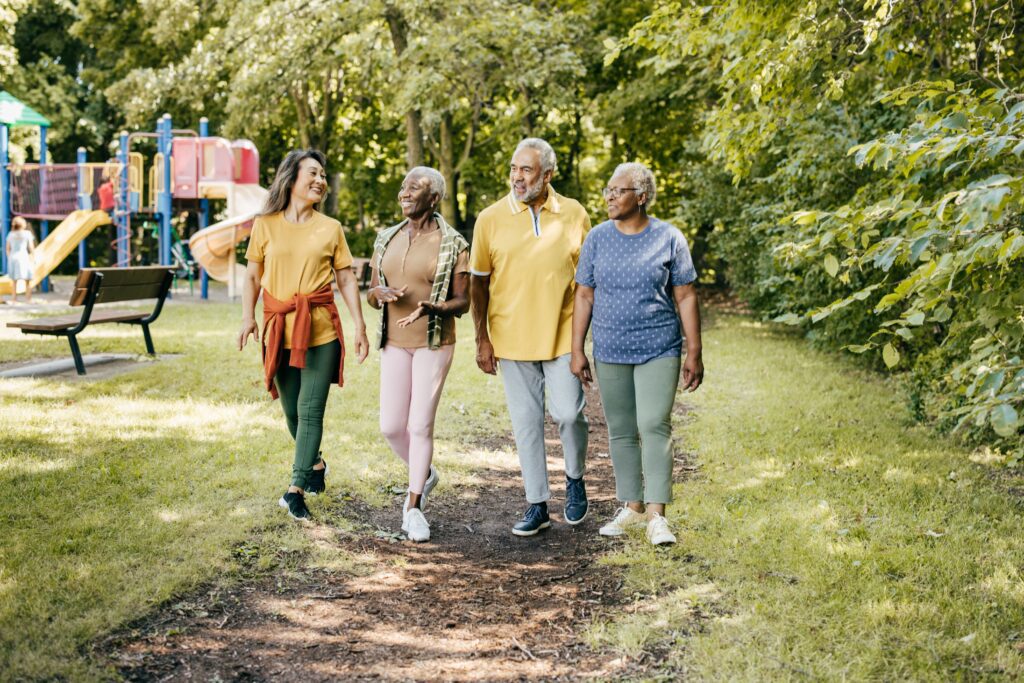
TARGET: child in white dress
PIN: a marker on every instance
(21, 244)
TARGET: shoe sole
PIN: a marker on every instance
(578, 521)
(284, 503)
(519, 532)
(611, 534)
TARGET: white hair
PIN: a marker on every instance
(437, 184)
(641, 178)
(547, 155)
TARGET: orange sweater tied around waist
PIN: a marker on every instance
(273, 335)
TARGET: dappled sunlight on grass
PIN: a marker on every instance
(884, 545)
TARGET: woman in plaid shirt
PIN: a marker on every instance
(421, 280)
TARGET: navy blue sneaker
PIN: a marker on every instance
(535, 519)
(296, 506)
(576, 504)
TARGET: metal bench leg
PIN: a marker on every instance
(149, 340)
(77, 354)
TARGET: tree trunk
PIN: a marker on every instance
(413, 127)
(331, 205)
(446, 160)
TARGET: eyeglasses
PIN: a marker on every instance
(616, 192)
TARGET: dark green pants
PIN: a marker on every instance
(304, 397)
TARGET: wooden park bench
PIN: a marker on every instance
(362, 269)
(106, 285)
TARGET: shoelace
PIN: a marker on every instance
(534, 513)
(573, 491)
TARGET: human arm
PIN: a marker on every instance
(377, 295)
(479, 299)
(349, 288)
(456, 305)
(582, 309)
(688, 306)
(250, 293)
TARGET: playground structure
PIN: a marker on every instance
(187, 165)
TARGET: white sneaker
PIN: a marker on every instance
(658, 532)
(428, 486)
(416, 527)
(624, 518)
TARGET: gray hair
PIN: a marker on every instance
(437, 184)
(547, 155)
(641, 178)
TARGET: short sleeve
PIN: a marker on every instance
(342, 254)
(480, 254)
(682, 270)
(462, 262)
(585, 268)
(257, 249)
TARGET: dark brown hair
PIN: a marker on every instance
(284, 180)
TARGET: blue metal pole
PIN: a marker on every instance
(5, 196)
(83, 260)
(164, 201)
(204, 206)
(122, 203)
(44, 226)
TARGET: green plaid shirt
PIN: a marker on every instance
(452, 244)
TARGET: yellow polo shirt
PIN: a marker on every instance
(532, 265)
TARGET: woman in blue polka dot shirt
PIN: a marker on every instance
(635, 288)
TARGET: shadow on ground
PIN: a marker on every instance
(474, 603)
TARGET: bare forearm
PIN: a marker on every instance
(582, 311)
(349, 289)
(250, 293)
(689, 315)
(480, 297)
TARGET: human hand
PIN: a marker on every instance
(248, 327)
(580, 366)
(485, 357)
(693, 372)
(387, 295)
(362, 345)
(422, 309)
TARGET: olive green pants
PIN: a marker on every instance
(304, 399)
(638, 402)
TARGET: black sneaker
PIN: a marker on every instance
(316, 484)
(576, 504)
(296, 505)
(535, 519)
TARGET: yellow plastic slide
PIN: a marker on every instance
(214, 247)
(58, 244)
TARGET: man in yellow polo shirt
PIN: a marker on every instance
(523, 265)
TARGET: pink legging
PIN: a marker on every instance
(411, 381)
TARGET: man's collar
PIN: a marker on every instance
(553, 203)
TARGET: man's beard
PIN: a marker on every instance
(532, 191)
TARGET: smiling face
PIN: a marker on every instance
(525, 177)
(622, 199)
(416, 196)
(310, 183)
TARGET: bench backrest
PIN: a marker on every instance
(122, 284)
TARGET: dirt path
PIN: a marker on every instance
(474, 603)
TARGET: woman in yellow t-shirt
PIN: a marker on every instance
(294, 254)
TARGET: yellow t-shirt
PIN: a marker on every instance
(531, 261)
(299, 258)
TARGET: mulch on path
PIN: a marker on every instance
(473, 603)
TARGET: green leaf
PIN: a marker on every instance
(915, 319)
(890, 355)
(831, 265)
(1004, 420)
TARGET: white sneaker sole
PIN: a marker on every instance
(578, 521)
(617, 531)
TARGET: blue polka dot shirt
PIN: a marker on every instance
(634, 318)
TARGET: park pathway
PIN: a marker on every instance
(475, 603)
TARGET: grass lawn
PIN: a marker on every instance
(116, 494)
(824, 536)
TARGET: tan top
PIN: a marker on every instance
(415, 264)
(299, 258)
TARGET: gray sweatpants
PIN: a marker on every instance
(525, 384)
